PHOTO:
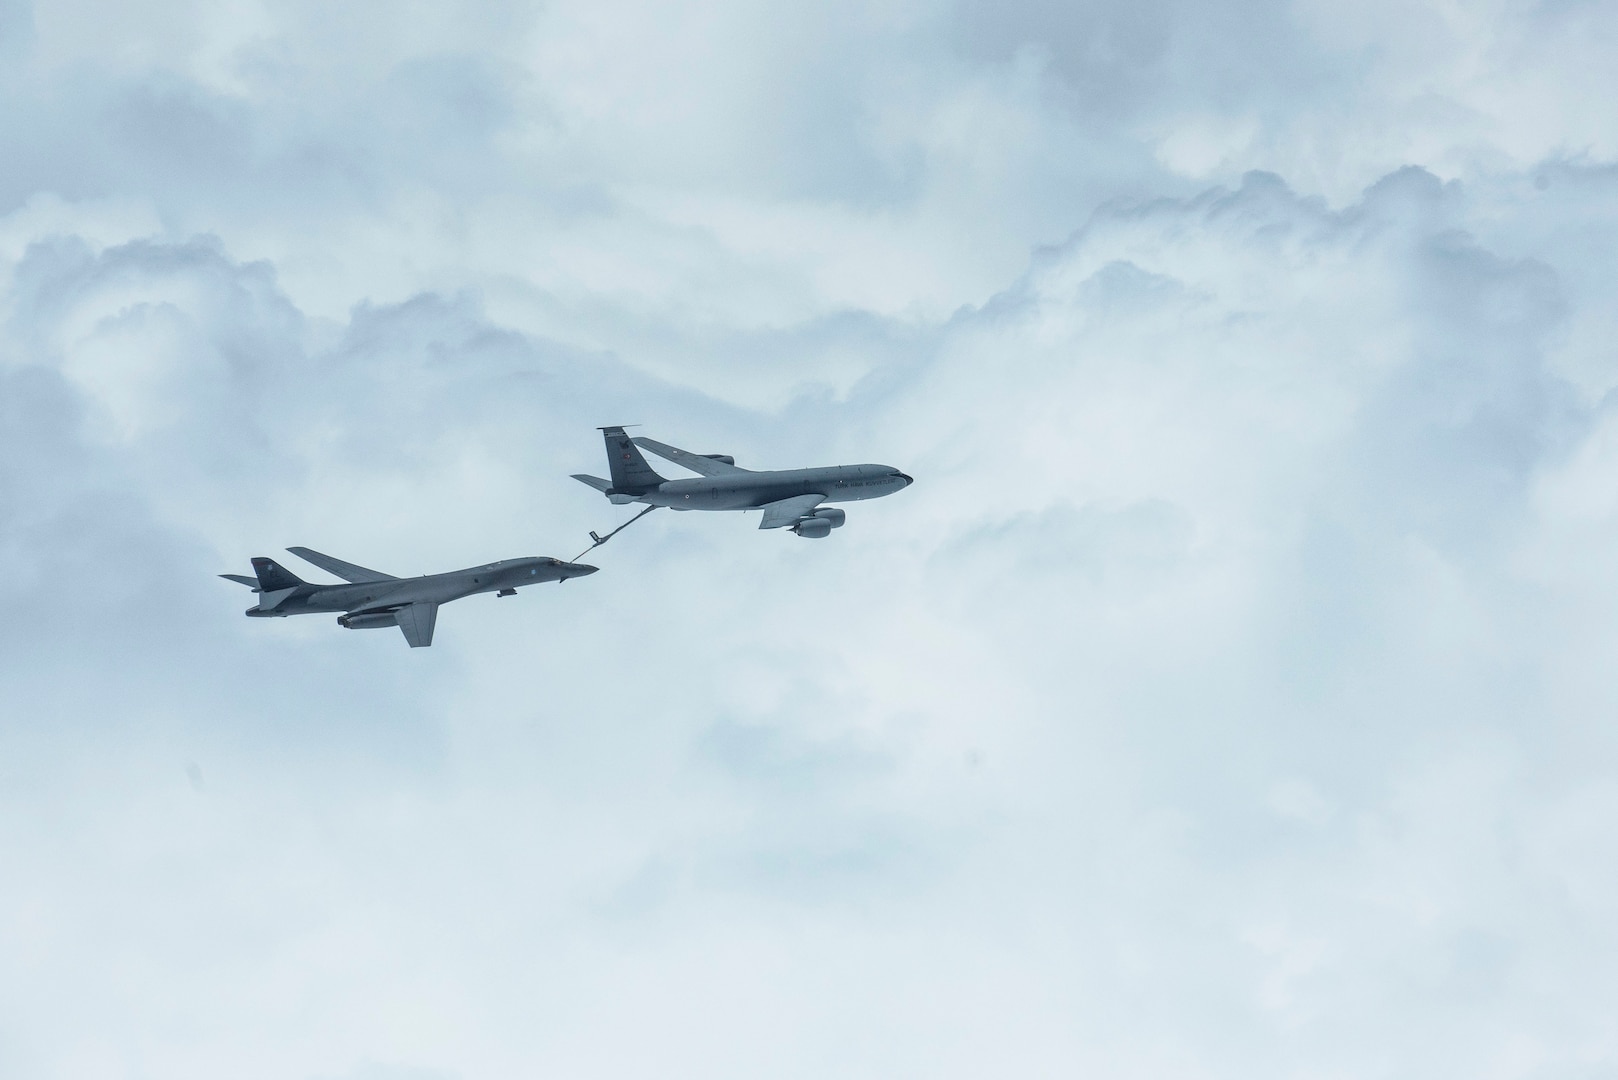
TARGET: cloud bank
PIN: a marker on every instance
(1228, 697)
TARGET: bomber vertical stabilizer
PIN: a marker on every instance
(273, 577)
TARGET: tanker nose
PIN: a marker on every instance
(907, 479)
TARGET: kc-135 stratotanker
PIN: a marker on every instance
(790, 498)
(371, 600)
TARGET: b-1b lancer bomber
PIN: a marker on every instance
(790, 498)
(371, 600)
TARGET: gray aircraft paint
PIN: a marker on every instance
(370, 599)
(790, 498)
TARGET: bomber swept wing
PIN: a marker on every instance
(697, 463)
(417, 621)
(357, 575)
(778, 515)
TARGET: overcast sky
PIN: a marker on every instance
(1232, 696)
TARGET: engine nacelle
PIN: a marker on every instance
(370, 620)
(833, 515)
(618, 499)
(813, 527)
(726, 458)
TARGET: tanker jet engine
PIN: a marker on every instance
(790, 498)
(372, 600)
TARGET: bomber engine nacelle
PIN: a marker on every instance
(813, 527)
(726, 458)
(370, 620)
(833, 515)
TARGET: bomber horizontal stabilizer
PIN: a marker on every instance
(242, 579)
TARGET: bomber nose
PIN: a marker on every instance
(581, 569)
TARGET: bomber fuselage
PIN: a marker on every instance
(428, 589)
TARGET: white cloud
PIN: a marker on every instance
(1227, 697)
